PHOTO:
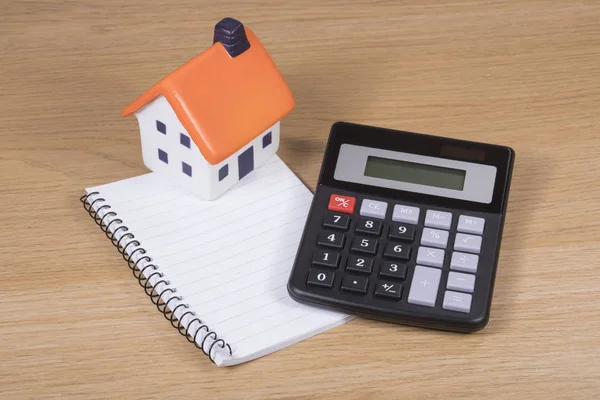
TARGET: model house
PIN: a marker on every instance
(215, 119)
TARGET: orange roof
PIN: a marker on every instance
(224, 102)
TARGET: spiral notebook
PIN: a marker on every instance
(217, 270)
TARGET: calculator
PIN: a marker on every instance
(404, 228)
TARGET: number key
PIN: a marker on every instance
(402, 232)
(364, 245)
(320, 278)
(336, 221)
(369, 226)
(326, 258)
(393, 270)
(400, 251)
(359, 264)
(331, 239)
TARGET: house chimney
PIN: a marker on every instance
(231, 34)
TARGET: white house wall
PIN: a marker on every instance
(152, 140)
(205, 177)
(261, 156)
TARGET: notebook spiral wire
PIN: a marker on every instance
(128, 247)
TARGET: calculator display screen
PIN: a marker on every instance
(416, 173)
(410, 172)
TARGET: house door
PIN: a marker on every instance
(246, 162)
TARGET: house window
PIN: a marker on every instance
(184, 140)
(223, 172)
(163, 156)
(186, 168)
(162, 128)
(267, 139)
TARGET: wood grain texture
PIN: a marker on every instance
(74, 323)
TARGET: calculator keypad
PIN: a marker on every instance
(375, 255)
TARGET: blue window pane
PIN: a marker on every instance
(223, 172)
(184, 140)
(186, 168)
(162, 128)
(163, 156)
(267, 139)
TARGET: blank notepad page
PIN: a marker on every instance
(228, 259)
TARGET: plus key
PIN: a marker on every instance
(339, 203)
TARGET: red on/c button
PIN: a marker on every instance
(341, 203)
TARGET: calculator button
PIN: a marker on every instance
(438, 219)
(369, 226)
(430, 256)
(392, 290)
(393, 270)
(400, 251)
(336, 221)
(364, 245)
(331, 239)
(320, 278)
(326, 258)
(434, 238)
(470, 243)
(359, 264)
(340, 203)
(424, 286)
(468, 224)
(357, 284)
(406, 214)
(461, 282)
(464, 262)
(402, 232)
(373, 208)
(455, 301)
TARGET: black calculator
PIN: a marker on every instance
(405, 228)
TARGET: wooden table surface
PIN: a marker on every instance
(74, 323)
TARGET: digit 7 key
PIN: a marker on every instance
(339, 203)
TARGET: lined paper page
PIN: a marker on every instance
(230, 258)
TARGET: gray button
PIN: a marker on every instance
(406, 214)
(430, 256)
(464, 262)
(424, 286)
(455, 301)
(468, 224)
(438, 219)
(434, 237)
(373, 208)
(469, 243)
(462, 282)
